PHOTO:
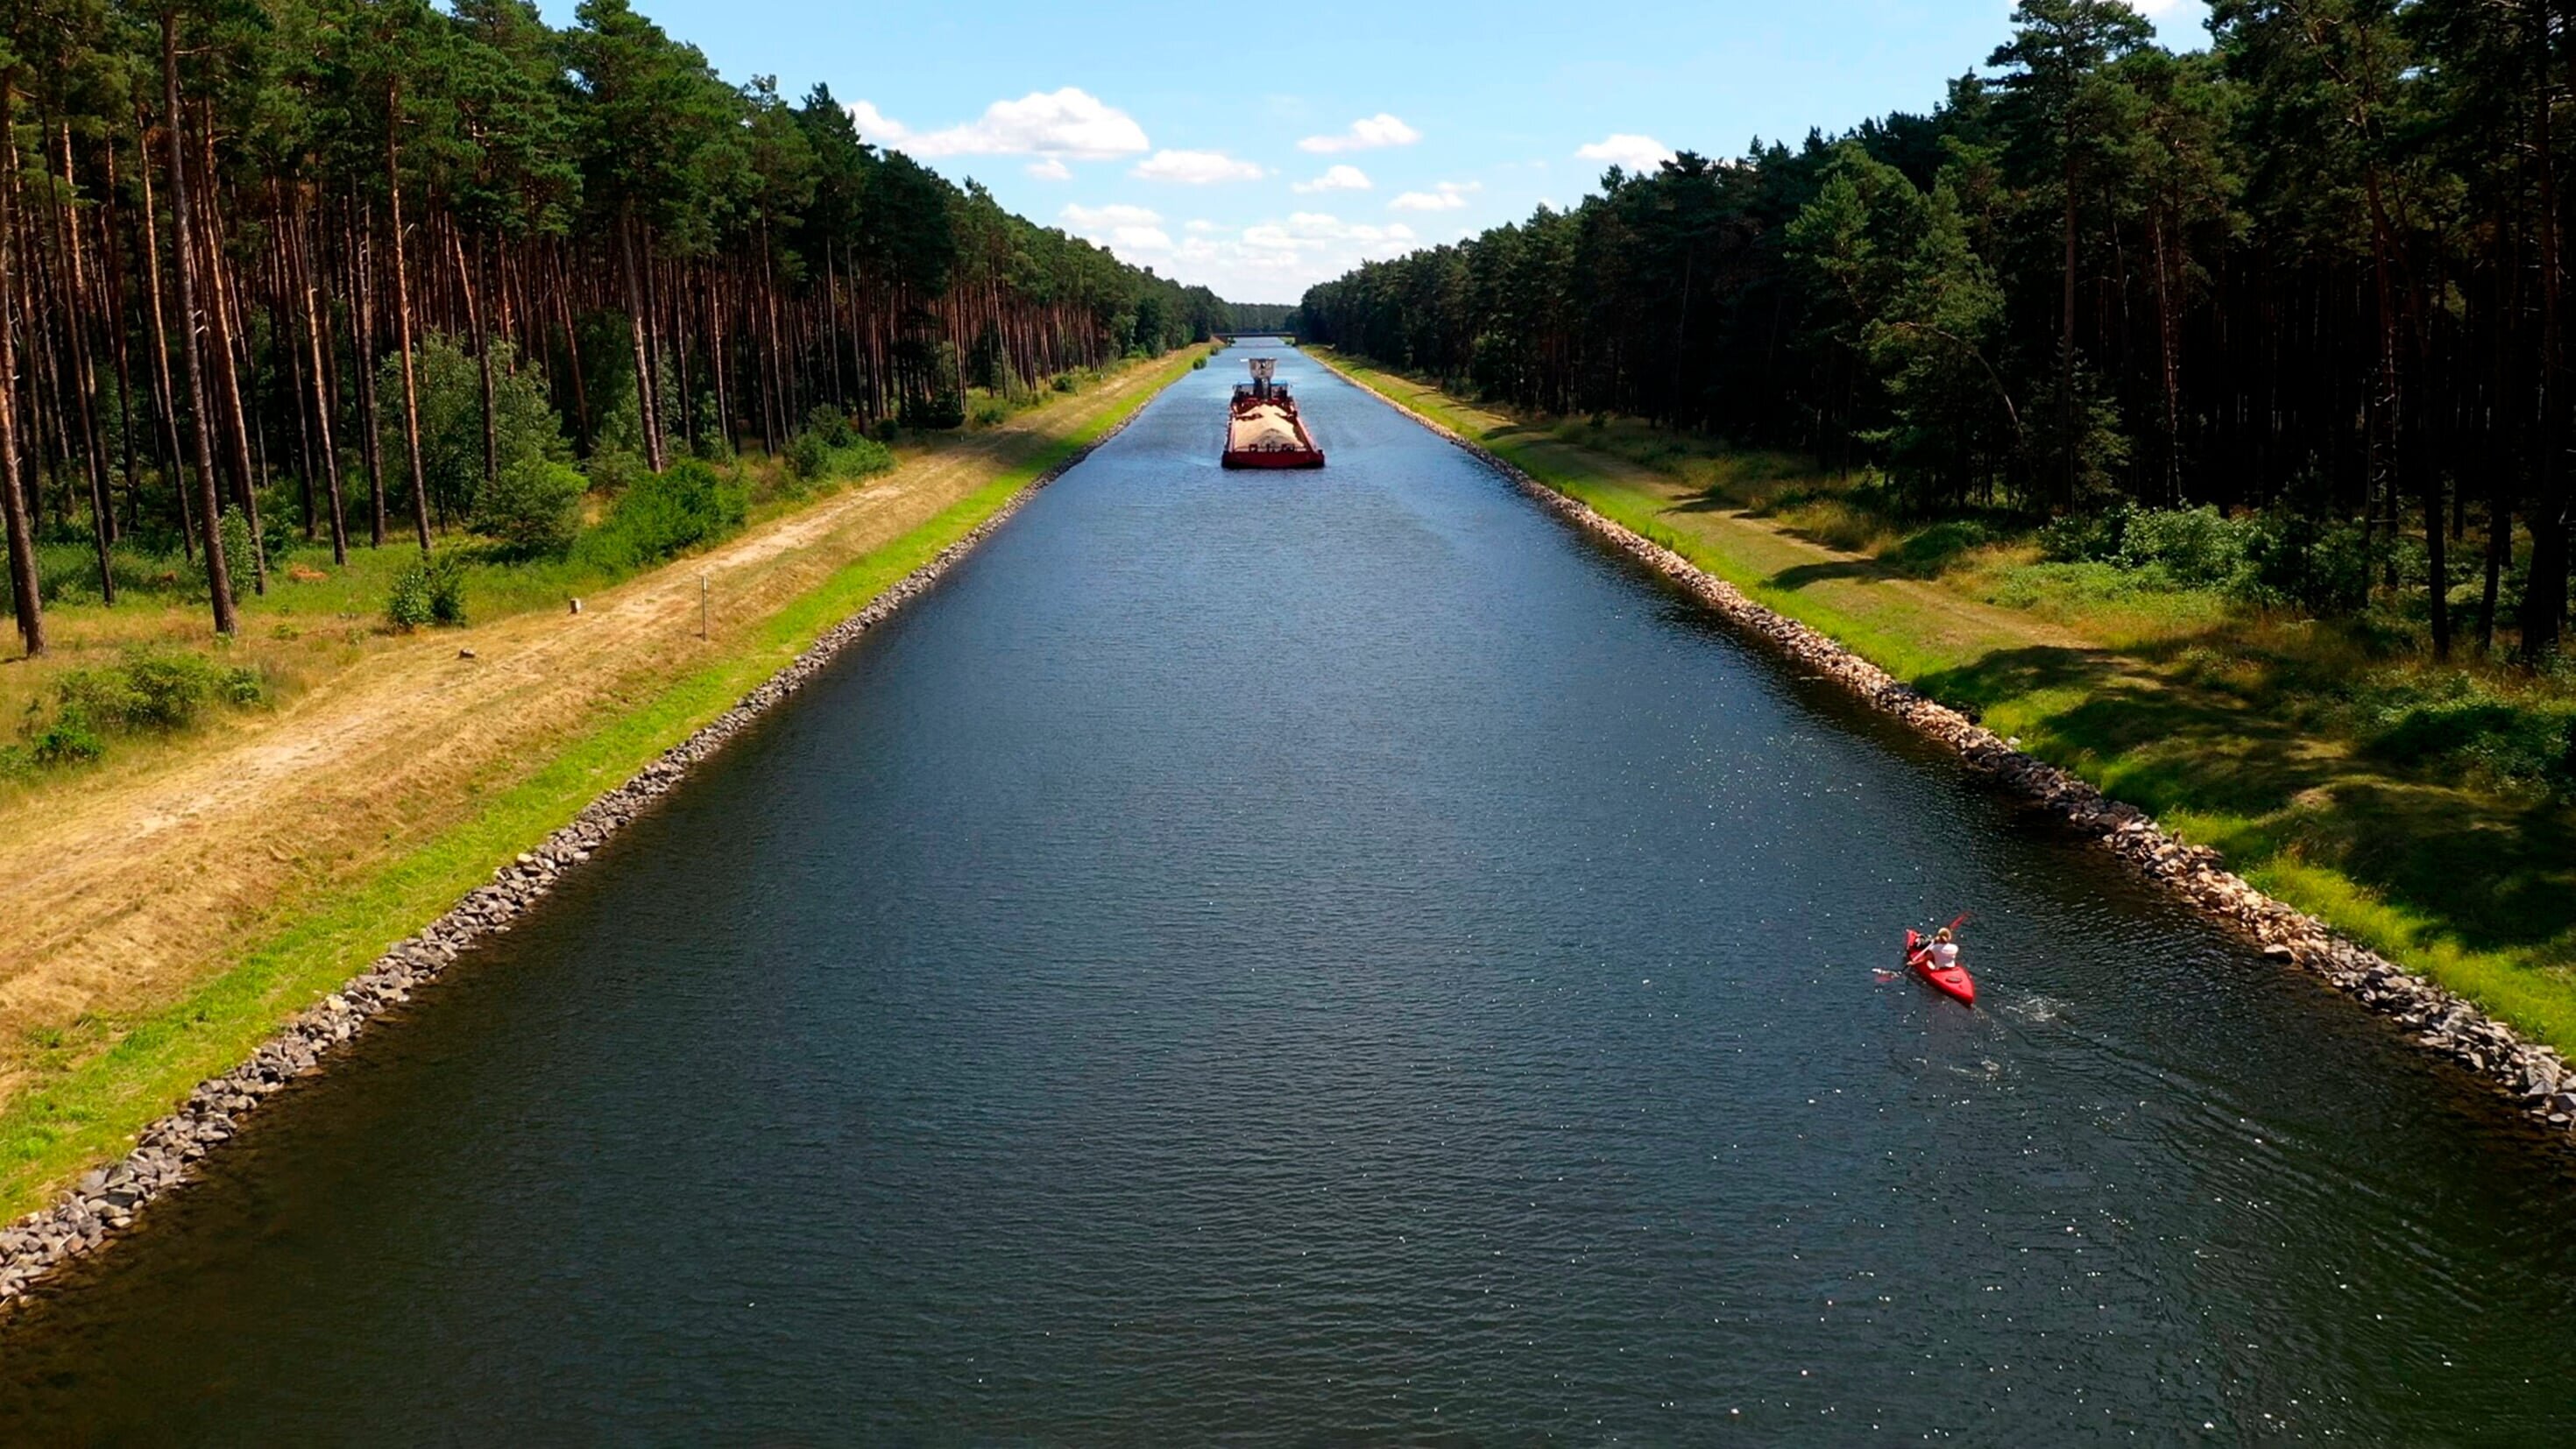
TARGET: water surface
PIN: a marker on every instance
(1336, 958)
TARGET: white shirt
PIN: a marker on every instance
(1945, 954)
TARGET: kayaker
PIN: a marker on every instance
(1944, 950)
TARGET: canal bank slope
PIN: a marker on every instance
(2505, 1018)
(162, 930)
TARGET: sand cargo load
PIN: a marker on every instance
(1262, 429)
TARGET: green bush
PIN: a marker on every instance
(614, 469)
(169, 690)
(2199, 547)
(988, 411)
(660, 515)
(1063, 381)
(813, 459)
(533, 508)
(2086, 538)
(887, 431)
(809, 457)
(69, 740)
(524, 425)
(407, 603)
(446, 581)
(834, 427)
(149, 689)
(233, 531)
(2320, 567)
(2192, 548)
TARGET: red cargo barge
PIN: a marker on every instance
(1262, 429)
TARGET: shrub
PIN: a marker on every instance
(2200, 547)
(887, 431)
(809, 457)
(2080, 538)
(407, 604)
(281, 528)
(2192, 548)
(834, 427)
(450, 381)
(69, 740)
(153, 689)
(149, 689)
(614, 469)
(446, 580)
(168, 690)
(533, 508)
(233, 532)
(988, 411)
(813, 462)
(1198, 364)
(660, 515)
(95, 699)
(2317, 566)
(1063, 381)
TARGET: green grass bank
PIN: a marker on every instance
(2247, 731)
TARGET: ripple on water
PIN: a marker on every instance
(1325, 960)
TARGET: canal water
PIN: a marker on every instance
(1336, 958)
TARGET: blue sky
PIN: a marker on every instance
(1261, 156)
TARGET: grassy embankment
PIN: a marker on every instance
(79, 1088)
(2342, 775)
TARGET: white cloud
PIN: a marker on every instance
(1369, 133)
(1115, 214)
(1269, 261)
(1125, 229)
(1448, 196)
(1050, 169)
(1637, 153)
(1065, 123)
(1195, 168)
(1312, 231)
(1336, 178)
(875, 127)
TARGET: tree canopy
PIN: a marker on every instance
(2317, 268)
(234, 232)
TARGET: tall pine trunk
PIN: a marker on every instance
(24, 595)
(166, 397)
(320, 349)
(85, 383)
(219, 579)
(402, 314)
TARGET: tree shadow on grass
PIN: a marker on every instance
(1867, 570)
(2500, 873)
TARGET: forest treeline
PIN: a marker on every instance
(233, 233)
(2314, 274)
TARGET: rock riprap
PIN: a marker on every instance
(2438, 1020)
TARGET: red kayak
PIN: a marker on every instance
(1953, 982)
